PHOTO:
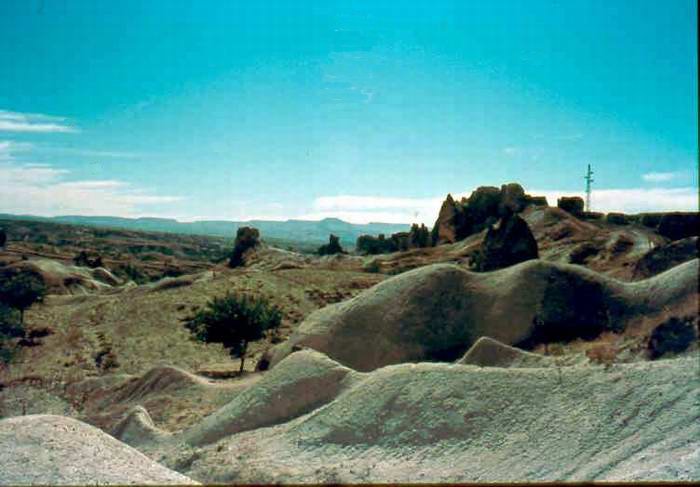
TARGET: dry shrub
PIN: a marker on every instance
(603, 353)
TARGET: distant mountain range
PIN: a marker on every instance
(305, 231)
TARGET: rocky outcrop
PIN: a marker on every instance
(507, 243)
(438, 311)
(246, 238)
(512, 199)
(458, 220)
(56, 450)
(617, 218)
(673, 336)
(449, 221)
(572, 205)
(662, 258)
(59, 278)
(448, 423)
(676, 226)
(332, 247)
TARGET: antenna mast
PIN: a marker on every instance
(589, 179)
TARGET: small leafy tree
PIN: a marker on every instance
(9, 328)
(21, 291)
(234, 321)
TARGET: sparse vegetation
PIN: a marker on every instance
(603, 353)
(372, 266)
(85, 260)
(132, 273)
(10, 328)
(234, 321)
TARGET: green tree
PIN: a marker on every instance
(234, 321)
(21, 291)
(9, 328)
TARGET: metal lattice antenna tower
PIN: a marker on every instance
(589, 179)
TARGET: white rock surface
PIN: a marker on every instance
(56, 450)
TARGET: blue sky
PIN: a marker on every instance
(366, 110)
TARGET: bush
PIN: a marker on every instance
(674, 335)
(3, 237)
(131, 272)
(366, 244)
(21, 291)
(246, 238)
(234, 321)
(10, 328)
(84, 260)
(372, 266)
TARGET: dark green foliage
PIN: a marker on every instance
(434, 235)
(131, 272)
(10, 328)
(673, 336)
(234, 321)
(21, 291)
(372, 266)
(84, 260)
(332, 247)
(246, 238)
(366, 244)
(3, 237)
(419, 236)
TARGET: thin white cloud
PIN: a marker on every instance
(365, 209)
(33, 122)
(43, 190)
(633, 200)
(659, 177)
(9, 147)
(360, 203)
(510, 151)
(89, 152)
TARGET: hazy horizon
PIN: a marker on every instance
(367, 112)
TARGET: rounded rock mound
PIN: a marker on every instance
(437, 312)
(56, 450)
